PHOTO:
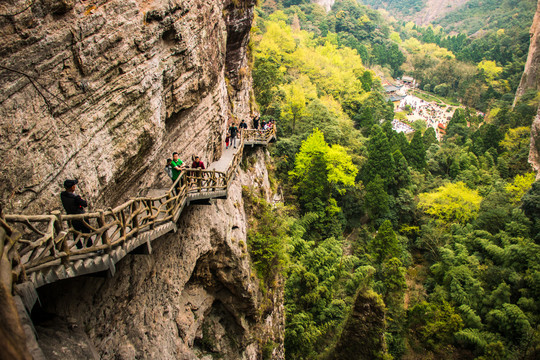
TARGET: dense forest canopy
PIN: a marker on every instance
(474, 68)
(442, 236)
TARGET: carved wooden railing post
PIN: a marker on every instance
(58, 228)
(104, 236)
(199, 179)
(149, 206)
(58, 225)
(122, 226)
(135, 216)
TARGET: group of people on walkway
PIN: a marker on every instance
(75, 204)
(174, 166)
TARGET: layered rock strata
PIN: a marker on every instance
(105, 90)
(531, 75)
(530, 80)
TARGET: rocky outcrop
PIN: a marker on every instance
(530, 80)
(362, 337)
(326, 4)
(105, 90)
(534, 153)
(194, 297)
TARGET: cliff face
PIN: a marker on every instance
(105, 90)
(531, 80)
(531, 75)
(326, 4)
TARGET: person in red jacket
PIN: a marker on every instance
(197, 163)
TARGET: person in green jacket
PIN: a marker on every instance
(177, 166)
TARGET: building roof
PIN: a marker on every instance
(396, 98)
(390, 88)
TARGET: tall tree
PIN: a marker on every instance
(380, 161)
(385, 244)
(402, 173)
(376, 198)
(430, 137)
(416, 156)
(320, 170)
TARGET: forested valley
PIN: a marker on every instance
(396, 246)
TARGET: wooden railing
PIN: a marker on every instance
(48, 241)
(253, 136)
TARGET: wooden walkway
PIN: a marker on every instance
(42, 249)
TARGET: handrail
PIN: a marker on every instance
(49, 240)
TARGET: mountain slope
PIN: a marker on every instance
(422, 12)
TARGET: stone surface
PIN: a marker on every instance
(534, 153)
(326, 4)
(531, 75)
(530, 80)
(362, 337)
(105, 90)
(195, 296)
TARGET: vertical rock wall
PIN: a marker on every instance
(531, 75)
(531, 80)
(105, 90)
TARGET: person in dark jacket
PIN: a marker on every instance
(256, 121)
(243, 125)
(233, 130)
(75, 204)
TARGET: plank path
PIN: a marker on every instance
(42, 249)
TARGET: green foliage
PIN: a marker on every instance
(430, 137)
(377, 200)
(456, 200)
(520, 186)
(385, 245)
(434, 324)
(320, 171)
(380, 162)
(266, 237)
(531, 206)
(451, 203)
(416, 154)
(402, 173)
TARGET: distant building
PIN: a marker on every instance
(396, 100)
(409, 80)
(390, 89)
(393, 94)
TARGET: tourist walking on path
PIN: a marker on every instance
(233, 130)
(75, 204)
(243, 125)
